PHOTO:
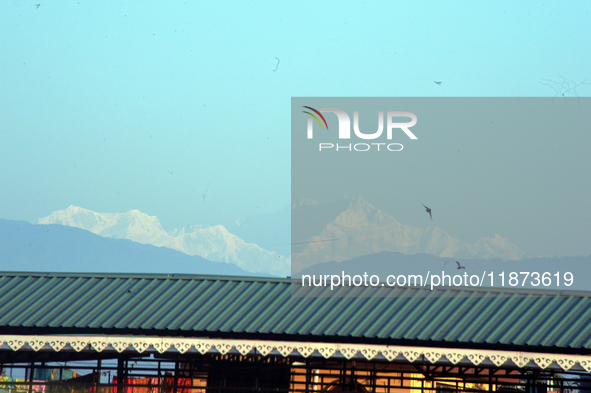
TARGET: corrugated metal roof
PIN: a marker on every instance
(210, 305)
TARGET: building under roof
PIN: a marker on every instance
(219, 332)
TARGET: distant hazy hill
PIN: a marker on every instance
(58, 248)
(212, 242)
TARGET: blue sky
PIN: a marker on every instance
(116, 105)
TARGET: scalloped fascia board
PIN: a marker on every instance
(463, 356)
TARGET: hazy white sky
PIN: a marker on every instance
(117, 105)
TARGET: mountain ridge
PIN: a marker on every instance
(338, 231)
(214, 243)
(59, 248)
(361, 229)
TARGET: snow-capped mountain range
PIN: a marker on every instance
(340, 231)
(214, 243)
(361, 229)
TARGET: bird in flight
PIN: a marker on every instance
(428, 211)
(37, 5)
(439, 83)
(460, 266)
(205, 193)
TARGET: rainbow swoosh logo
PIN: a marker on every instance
(315, 117)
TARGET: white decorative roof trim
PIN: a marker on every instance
(444, 356)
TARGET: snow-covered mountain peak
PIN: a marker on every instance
(73, 216)
(495, 247)
(361, 229)
(360, 204)
(75, 209)
(79, 217)
(136, 216)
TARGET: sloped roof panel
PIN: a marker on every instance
(244, 305)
